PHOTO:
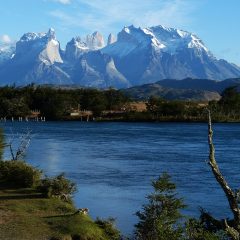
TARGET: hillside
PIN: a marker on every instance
(186, 89)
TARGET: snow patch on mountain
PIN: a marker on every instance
(43, 46)
(137, 56)
(162, 39)
(7, 51)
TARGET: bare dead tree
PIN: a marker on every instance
(232, 229)
(23, 143)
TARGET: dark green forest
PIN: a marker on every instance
(56, 104)
(111, 105)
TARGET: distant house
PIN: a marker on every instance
(34, 113)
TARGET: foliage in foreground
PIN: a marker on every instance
(109, 227)
(57, 186)
(32, 207)
(161, 218)
(19, 174)
(28, 217)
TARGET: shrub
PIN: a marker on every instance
(58, 186)
(109, 228)
(160, 218)
(19, 174)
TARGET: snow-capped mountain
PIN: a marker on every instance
(36, 60)
(42, 46)
(145, 55)
(137, 56)
(88, 66)
(7, 51)
(78, 46)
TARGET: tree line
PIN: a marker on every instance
(54, 103)
(58, 103)
(226, 109)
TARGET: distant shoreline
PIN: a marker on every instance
(127, 121)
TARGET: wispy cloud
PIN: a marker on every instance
(147, 13)
(5, 39)
(110, 15)
(60, 1)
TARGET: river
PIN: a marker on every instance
(113, 164)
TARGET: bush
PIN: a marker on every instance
(161, 218)
(58, 186)
(19, 174)
(109, 228)
(196, 230)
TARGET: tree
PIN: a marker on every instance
(230, 102)
(154, 105)
(232, 227)
(115, 99)
(159, 219)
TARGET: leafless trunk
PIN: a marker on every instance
(23, 143)
(232, 196)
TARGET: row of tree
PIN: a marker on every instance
(226, 109)
(57, 103)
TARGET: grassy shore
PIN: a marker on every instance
(26, 215)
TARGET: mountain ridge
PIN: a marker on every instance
(138, 56)
(185, 89)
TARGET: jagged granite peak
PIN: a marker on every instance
(146, 55)
(51, 34)
(171, 40)
(138, 56)
(78, 46)
(95, 41)
(163, 39)
(95, 69)
(75, 48)
(41, 46)
(111, 39)
(31, 36)
(35, 61)
(129, 39)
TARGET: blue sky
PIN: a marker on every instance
(216, 22)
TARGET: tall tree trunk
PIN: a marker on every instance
(232, 196)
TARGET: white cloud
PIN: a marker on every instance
(143, 13)
(5, 38)
(110, 15)
(61, 1)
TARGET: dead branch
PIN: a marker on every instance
(24, 141)
(231, 195)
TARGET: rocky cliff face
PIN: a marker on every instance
(36, 60)
(138, 56)
(111, 39)
(151, 54)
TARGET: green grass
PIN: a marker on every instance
(26, 215)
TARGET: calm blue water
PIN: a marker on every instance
(113, 163)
